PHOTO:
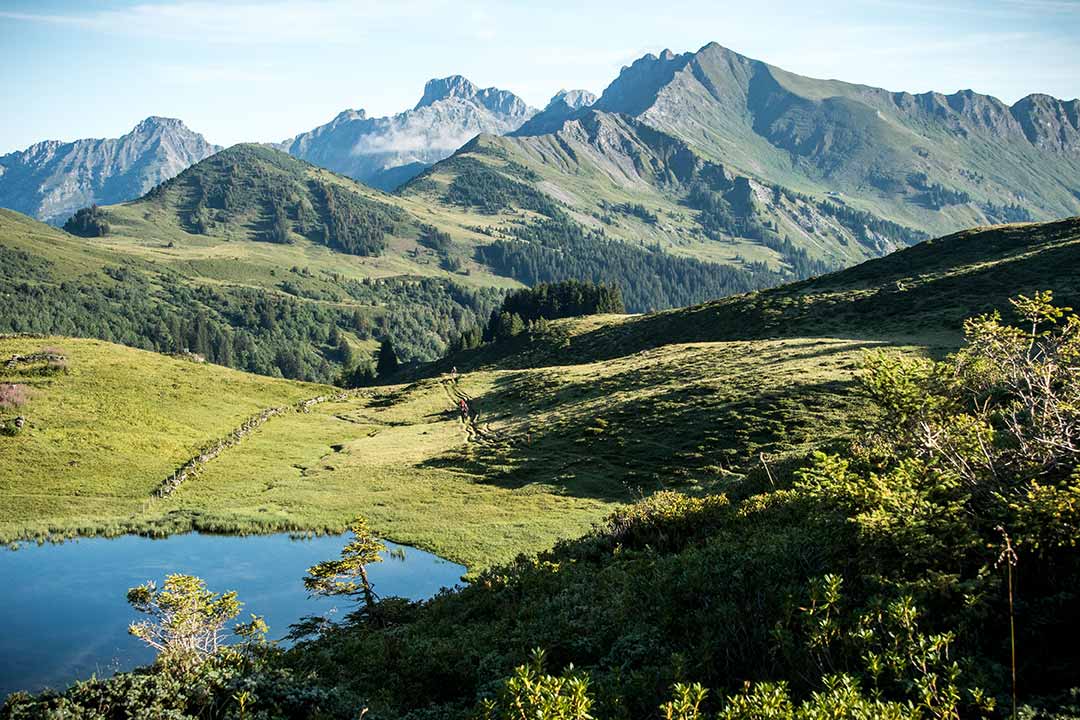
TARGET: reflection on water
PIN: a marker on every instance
(65, 613)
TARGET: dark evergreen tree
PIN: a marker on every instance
(344, 352)
(388, 360)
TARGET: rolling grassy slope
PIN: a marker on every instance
(554, 450)
(253, 305)
(103, 435)
(920, 295)
(215, 220)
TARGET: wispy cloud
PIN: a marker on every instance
(278, 21)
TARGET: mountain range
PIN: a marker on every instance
(691, 177)
(929, 162)
(934, 161)
(50, 180)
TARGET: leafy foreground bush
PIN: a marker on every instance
(930, 571)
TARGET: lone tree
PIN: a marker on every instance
(186, 620)
(348, 576)
(88, 222)
(388, 361)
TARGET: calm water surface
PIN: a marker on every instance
(65, 614)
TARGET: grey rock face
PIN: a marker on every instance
(386, 151)
(565, 105)
(1050, 123)
(50, 180)
(637, 86)
(573, 99)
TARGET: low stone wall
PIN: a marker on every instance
(211, 450)
(16, 360)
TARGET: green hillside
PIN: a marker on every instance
(105, 425)
(919, 295)
(803, 525)
(620, 179)
(578, 418)
(257, 306)
(554, 452)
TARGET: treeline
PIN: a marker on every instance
(860, 223)
(719, 217)
(1008, 213)
(245, 328)
(354, 224)
(633, 209)
(569, 298)
(651, 279)
(530, 309)
(440, 241)
(478, 186)
(935, 196)
(434, 238)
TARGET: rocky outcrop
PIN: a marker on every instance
(50, 180)
(638, 85)
(46, 357)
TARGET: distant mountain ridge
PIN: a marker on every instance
(51, 179)
(565, 105)
(934, 161)
(386, 151)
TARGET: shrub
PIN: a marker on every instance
(88, 222)
(13, 396)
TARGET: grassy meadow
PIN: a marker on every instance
(103, 434)
(552, 452)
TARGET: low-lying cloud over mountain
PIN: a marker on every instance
(451, 111)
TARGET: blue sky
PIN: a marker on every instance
(245, 70)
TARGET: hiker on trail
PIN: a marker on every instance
(453, 372)
(463, 407)
(475, 410)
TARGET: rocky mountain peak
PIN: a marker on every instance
(565, 105)
(442, 88)
(573, 99)
(1049, 123)
(52, 179)
(499, 102)
(638, 83)
(386, 151)
(156, 122)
